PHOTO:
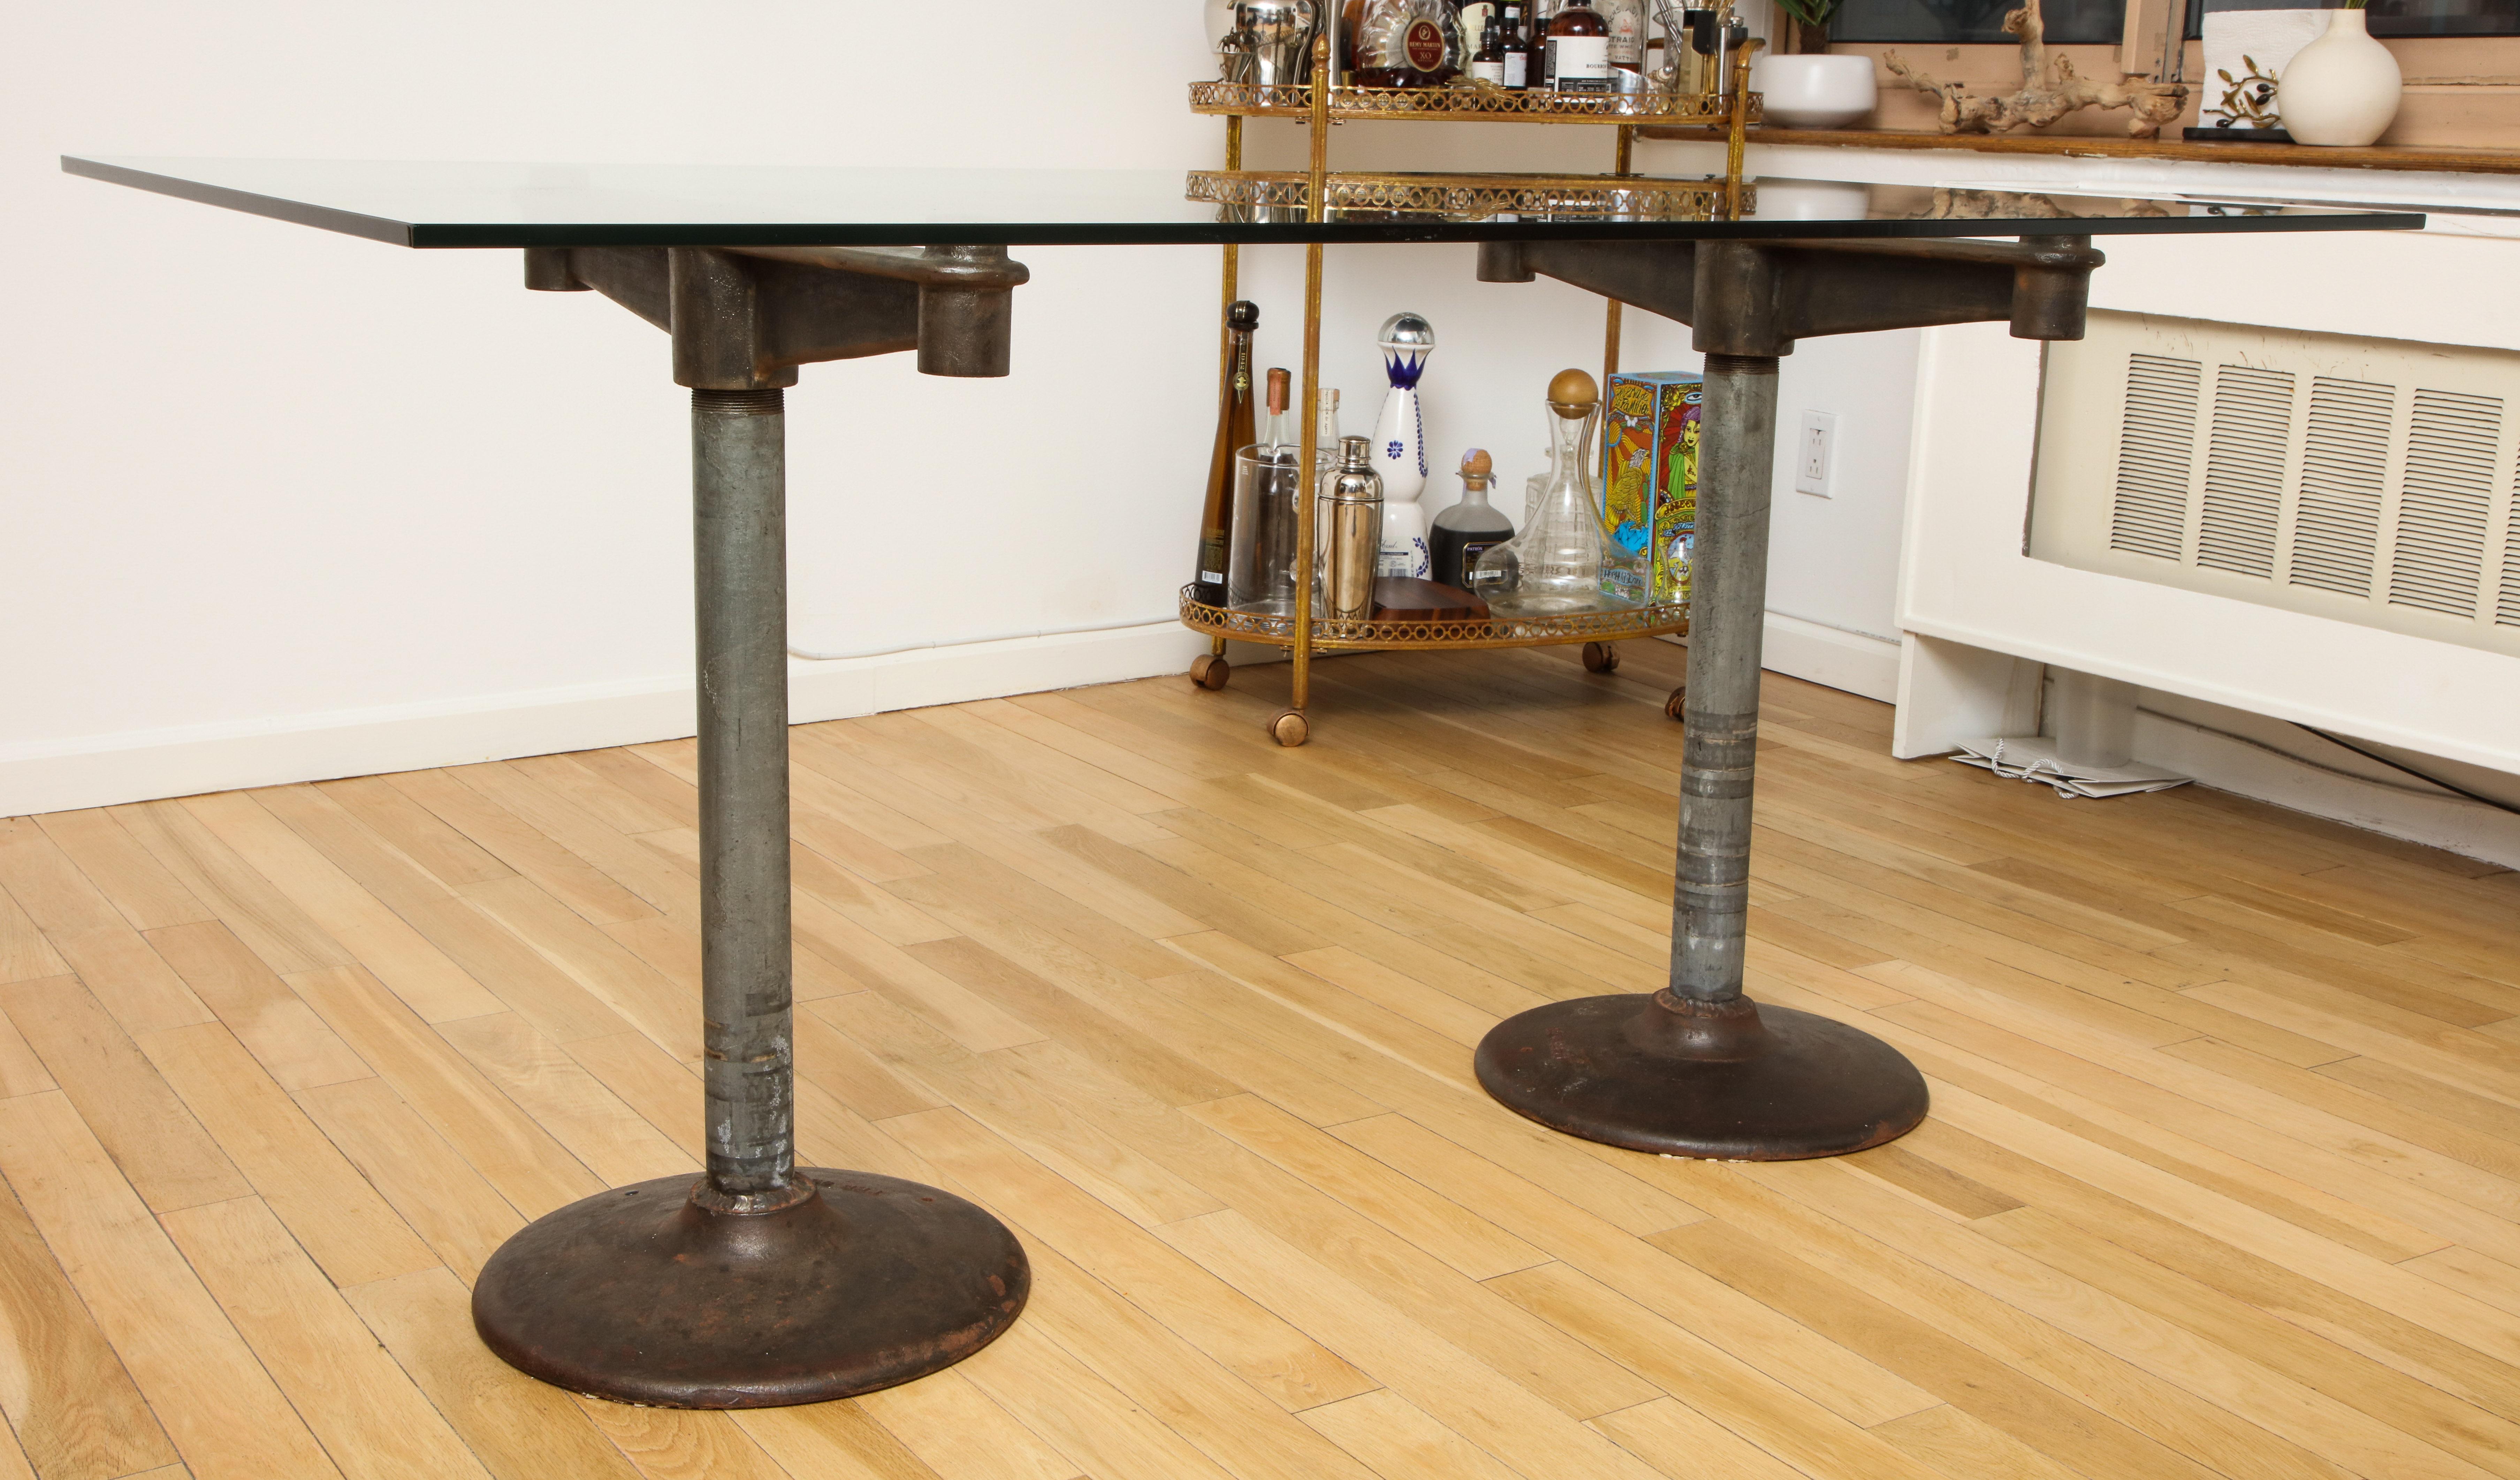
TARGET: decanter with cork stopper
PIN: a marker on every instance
(1556, 565)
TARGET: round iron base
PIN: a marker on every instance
(1736, 1083)
(642, 1295)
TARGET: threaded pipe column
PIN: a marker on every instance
(740, 546)
(1726, 622)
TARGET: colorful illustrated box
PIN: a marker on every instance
(1650, 481)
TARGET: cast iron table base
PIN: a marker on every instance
(1697, 1069)
(760, 1283)
(642, 1295)
(1642, 1070)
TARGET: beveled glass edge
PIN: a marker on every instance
(276, 207)
(442, 234)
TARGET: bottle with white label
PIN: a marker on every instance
(1513, 46)
(1579, 50)
(1626, 19)
(1487, 44)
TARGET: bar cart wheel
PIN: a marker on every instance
(1290, 729)
(1210, 672)
(1600, 657)
(1671, 705)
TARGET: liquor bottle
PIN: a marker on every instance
(1514, 47)
(1400, 444)
(1463, 532)
(1487, 58)
(1626, 19)
(1409, 43)
(1579, 50)
(1276, 441)
(1232, 433)
(1328, 447)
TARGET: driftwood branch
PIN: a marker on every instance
(2051, 89)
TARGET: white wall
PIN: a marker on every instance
(280, 504)
(261, 479)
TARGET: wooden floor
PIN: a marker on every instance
(2221, 1176)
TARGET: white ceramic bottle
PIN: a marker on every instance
(1400, 447)
(2341, 89)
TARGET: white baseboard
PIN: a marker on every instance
(2230, 765)
(97, 770)
(1831, 656)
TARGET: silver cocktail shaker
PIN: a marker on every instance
(1282, 39)
(1355, 502)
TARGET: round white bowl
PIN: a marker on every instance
(1815, 91)
(1808, 201)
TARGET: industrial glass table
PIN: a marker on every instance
(763, 1282)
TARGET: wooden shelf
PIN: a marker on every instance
(2442, 158)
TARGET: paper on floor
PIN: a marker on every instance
(2033, 758)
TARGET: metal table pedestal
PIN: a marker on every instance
(761, 1282)
(1697, 1069)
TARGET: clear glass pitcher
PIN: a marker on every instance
(1562, 561)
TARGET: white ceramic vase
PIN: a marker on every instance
(1813, 90)
(2342, 88)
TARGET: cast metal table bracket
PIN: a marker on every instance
(1697, 1069)
(761, 1282)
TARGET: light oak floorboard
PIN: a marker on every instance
(201, 1380)
(350, 1391)
(2222, 1178)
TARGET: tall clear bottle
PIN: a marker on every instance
(1556, 565)
(1626, 19)
(1326, 454)
(1234, 432)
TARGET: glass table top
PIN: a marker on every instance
(441, 204)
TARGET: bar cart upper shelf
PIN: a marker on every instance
(1467, 104)
(1317, 192)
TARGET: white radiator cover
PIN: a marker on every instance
(2364, 480)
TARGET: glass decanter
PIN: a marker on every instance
(1560, 563)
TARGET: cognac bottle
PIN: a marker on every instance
(1409, 43)
(1234, 432)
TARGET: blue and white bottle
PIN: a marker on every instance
(1400, 447)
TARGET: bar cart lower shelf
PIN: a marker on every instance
(1596, 630)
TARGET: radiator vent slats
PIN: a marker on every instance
(2506, 611)
(2363, 480)
(2156, 454)
(2245, 451)
(2344, 467)
(2447, 497)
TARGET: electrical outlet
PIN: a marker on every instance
(1816, 453)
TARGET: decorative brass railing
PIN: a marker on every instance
(1467, 102)
(1629, 198)
(1476, 632)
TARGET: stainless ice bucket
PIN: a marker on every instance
(1282, 39)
